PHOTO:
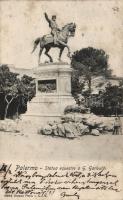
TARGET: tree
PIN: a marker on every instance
(14, 92)
(8, 88)
(75, 83)
(10, 94)
(90, 62)
(112, 98)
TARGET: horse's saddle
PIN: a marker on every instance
(48, 38)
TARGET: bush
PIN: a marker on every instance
(76, 109)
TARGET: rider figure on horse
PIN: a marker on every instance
(54, 27)
(57, 37)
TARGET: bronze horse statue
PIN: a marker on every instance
(47, 41)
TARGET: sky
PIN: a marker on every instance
(99, 25)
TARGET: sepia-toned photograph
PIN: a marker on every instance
(61, 99)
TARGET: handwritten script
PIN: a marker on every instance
(63, 182)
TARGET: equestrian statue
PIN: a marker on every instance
(57, 38)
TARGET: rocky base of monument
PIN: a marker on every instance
(75, 125)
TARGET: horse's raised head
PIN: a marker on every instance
(72, 29)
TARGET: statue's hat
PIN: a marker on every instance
(53, 16)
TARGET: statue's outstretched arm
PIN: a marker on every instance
(46, 17)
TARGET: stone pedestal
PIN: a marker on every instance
(49, 103)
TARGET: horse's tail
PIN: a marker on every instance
(36, 42)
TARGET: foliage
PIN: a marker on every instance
(76, 85)
(14, 92)
(89, 62)
(121, 83)
(112, 101)
(75, 109)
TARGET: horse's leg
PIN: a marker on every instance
(68, 51)
(46, 53)
(65, 45)
(40, 52)
(60, 54)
